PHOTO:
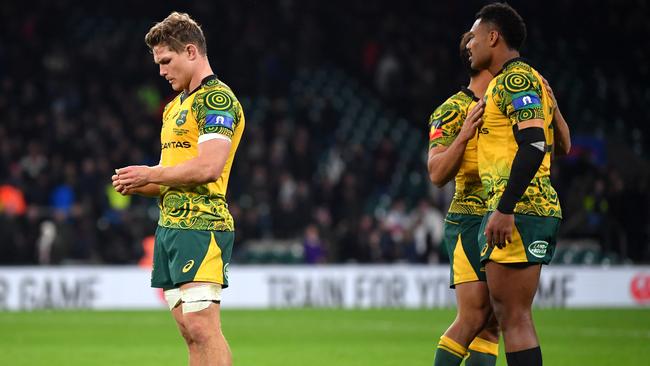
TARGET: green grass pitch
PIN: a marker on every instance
(308, 337)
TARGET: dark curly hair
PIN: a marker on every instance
(507, 21)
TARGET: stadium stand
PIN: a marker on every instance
(332, 165)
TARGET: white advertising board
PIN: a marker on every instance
(394, 286)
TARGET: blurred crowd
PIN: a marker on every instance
(80, 96)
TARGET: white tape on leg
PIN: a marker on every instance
(200, 297)
(173, 297)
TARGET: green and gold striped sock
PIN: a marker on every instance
(449, 352)
(482, 353)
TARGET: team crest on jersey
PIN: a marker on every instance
(181, 118)
(538, 248)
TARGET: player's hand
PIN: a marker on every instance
(550, 92)
(118, 186)
(134, 176)
(473, 121)
(498, 230)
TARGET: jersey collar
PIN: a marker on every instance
(467, 91)
(510, 62)
(203, 82)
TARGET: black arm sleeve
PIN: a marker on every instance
(532, 147)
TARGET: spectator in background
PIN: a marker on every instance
(428, 232)
(55, 116)
(313, 246)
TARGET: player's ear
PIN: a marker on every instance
(493, 36)
(192, 51)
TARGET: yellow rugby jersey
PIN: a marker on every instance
(444, 126)
(210, 111)
(515, 95)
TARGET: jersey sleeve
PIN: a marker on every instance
(444, 124)
(519, 97)
(217, 114)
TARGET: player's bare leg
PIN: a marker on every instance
(490, 331)
(473, 302)
(177, 312)
(473, 314)
(202, 333)
(484, 349)
(512, 289)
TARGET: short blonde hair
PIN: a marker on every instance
(175, 32)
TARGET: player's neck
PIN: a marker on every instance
(479, 82)
(201, 73)
(500, 59)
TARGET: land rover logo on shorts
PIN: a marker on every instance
(188, 265)
(538, 248)
(225, 271)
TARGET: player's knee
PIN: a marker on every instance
(187, 337)
(195, 300)
(198, 330)
(515, 318)
(475, 319)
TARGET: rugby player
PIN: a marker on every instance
(201, 129)
(518, 232)
(452, 153)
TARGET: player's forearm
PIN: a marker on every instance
(192, 172)
(149, 190)
(562, 135)
(527, 161)
(443, 166)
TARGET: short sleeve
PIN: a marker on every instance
(519, 97)
(216, 114)
(444, 124)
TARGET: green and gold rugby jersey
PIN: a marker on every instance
(516, 94)
(444, 126)
(210, 111)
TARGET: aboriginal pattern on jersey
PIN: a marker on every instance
(444, 126)
(515, 95)
(213, 110)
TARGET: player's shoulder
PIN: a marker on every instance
(517, 76)
(216, 95)
(218, 88)
(454, 108)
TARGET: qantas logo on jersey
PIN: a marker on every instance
(175, 145)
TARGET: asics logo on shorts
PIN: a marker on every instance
(188, 266)
(484, 250)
